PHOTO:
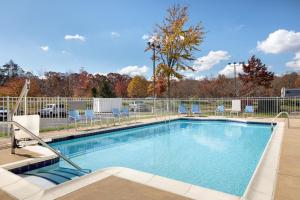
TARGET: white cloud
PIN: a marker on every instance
(194, 76)
(44, 48)
(145, 37)
(75, 37)
(134, 70)
(295, 62)
(229, 70)
(212, 58)
(115, 34)
(100, 73)
(280, 41)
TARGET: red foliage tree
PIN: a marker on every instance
(255, 76)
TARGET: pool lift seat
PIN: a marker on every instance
(23, 125)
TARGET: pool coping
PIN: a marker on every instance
(163, 183)
(263, 181)
(46, 158)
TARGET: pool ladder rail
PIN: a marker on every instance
(278, 115)
(47, 146)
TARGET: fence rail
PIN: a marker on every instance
(54, 110)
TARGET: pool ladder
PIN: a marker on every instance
(278, 115)
(46, 145)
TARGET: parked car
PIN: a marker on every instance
(53, 110)
(138, 106)
(3, 114)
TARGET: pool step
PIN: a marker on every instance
(53, 176)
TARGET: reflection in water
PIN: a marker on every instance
(94, 143)
(214, 144)
(217, 138)
(233, 132)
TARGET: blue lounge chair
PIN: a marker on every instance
(116, 114)
(195, 109)
(89, 115)
(74, 116)
(125, 112)
(249, 110)
(182, 109)
(220, 109)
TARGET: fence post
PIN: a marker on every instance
(25, 105)
(277, 104)
(59, 108)
(8, 113)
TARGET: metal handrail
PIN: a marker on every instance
(23, 94)
(44, 143)
(278, 115)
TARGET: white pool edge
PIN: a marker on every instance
(248, 194)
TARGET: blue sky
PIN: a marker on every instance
(106, 36)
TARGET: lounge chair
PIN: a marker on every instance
(90, 116)
(116, 114)
(249, 110)
(125, 112)
(182, 109)
(236, 107)
(220, 109)
(75, 117)
(195, 109)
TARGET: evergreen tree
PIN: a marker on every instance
(106, 90)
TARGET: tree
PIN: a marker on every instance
(10, 70)
(160, 86)
(121, 84)
(177, 42)
(255, 76)
(105, 90)
(94, 92)
(12, 87)
(137, 87)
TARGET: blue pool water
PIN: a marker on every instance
(220, 155)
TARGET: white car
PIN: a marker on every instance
(138, 106)
(53, 110)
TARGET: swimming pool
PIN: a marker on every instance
(220, 155)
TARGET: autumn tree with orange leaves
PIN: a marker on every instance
(178, 41)
(138, 87)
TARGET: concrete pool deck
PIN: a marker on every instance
(288, 185)
(288, 181)
(20, 154)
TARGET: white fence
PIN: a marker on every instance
(54, 110)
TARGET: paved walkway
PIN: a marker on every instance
(115, 188)
(288, 181)
(21, 154)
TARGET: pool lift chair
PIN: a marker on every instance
(27, 127)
